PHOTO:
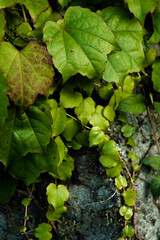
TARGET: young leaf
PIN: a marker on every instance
(76, 48)
(129, 36)
(131, 142)
(128, 231)
(132, 156)
(65, 169)
(127, 212)
(156, 75)
(136, 167)
(98, 119)
(8, 186)
(96, 136)
(115, 171)
(69, 98)
(71, 128)
(109, 113)
(57, 195)
(4, 102)
(55, 214)
(141, 8)
(28, 72)
(42, 232)
(152, 161)
(34, 8)
(2, 25)
(85, 110)
(120, 182)
(128, 130)
(133, 104)
(155, 186)
(129, 196)
(26, 201)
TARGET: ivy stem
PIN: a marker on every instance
(153, 129)
(24, 14)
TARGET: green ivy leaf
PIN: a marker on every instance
(22, 135)
(128, 130)
(129, 196)
(128, 87)
(128, 231)
(126, 30)
(54, 214)
(28, 72)
(157, 107)
(136, 167)
(98, 119)
(127, 212)
(115, 171)
(26, 201)
(120, 182)
(83, 138)
(141, 8)
(23, 29)
(131, 142)
(106, 92)
(132, 156)
(85, 110)
(71, 51)
(34, 8)
(86, 84)
(57, 195)
(65, 169)
(62, 149)
(2, 25)
(69, 98)
(4, 102)
(64, 3)
(156, 75)
(96, 136)
(71, 129)
(133, 104)
(152, 161)
(155, 186)
(8, 186)
(150, 57)
(30, 167)
(109, 113)
(42, 232)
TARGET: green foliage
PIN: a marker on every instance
(100, 55)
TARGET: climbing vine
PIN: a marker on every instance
(68, 71)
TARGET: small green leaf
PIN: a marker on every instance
(42, 232)
(71, 129)
(152, 161)
(85, 110)
(150, 57)
(131, 142)
(128, 231)
(98, 119)
(28, 72)
(132, 156)
(64, 3)
(128, 130)
(120, 182)
(128, 86)
(69, 98)
(127, 212)
(141, 8)
(115, 171)
(109, 113)
(155, 186)
(26, 201)
(54, 214)
(96, 136)
(129, 196)
(57, 195)
(136, 167)
(71, 51)
(157, 107)
(66, 168)
(156, 75)
(23, 229)
(2, 25)
(106, 92)
(133, 104)
(23, 29)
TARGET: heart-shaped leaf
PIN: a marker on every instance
(69, 98)
(28, 72)
(71, 129)
(129, 36)
(128, 231)
(129, 196)
(34, 8)
(128, 130)
(57, 195)
(96, 136)
(120, 182)
(98, 119)
(127, 212)
(2, 25)
(80, 44)
(54, 214)
(42, 232)
(140, 8)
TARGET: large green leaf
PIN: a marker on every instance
(156, 75)
(34, 7)
(29, 132)
(140, 8)
(30, 167)
(2, 25)
(133, 104)
(129, 36)
(80, 44)
(28, 72)
(4, 103)
(155, 38)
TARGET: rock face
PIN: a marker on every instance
(94, 202)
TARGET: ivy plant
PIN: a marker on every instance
(68, 70)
